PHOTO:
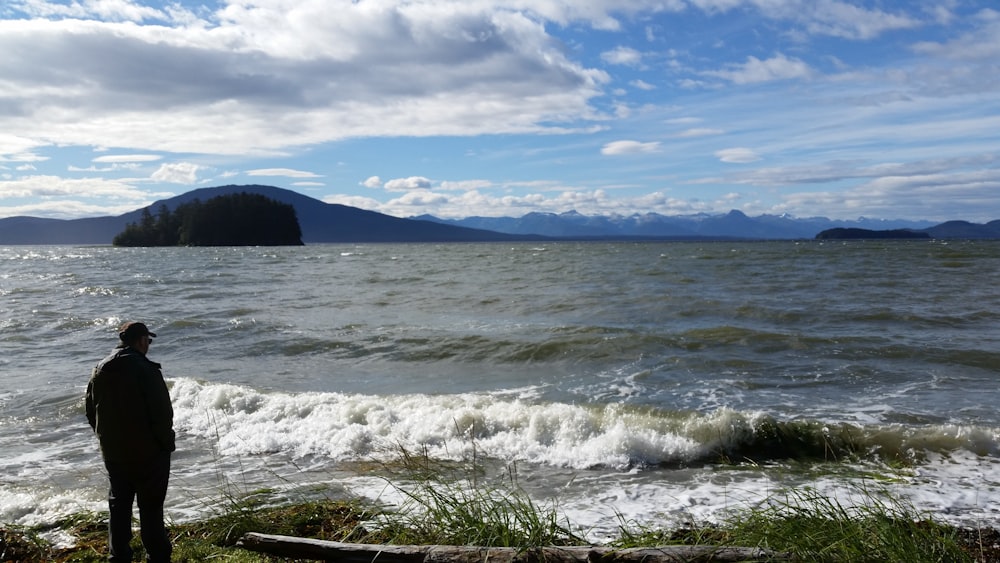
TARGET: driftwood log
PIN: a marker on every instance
(322, 550)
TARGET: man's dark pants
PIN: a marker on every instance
(145, 482)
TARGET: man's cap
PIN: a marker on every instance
(132, 330)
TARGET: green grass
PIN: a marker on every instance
(21, 544)
(817, 528)
(212, 539)
(442, 509)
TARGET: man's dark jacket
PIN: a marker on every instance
(128, 405)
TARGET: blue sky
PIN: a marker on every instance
(884, 109)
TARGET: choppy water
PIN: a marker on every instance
(661, 382)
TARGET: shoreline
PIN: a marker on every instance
(349, 521)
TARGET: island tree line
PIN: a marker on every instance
(229, 220)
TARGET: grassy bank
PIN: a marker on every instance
(460, 505)
(815, 528)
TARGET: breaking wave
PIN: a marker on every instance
(352, 427)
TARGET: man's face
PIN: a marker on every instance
(142, 343)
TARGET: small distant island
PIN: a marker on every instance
(854, 233)
(240, 219)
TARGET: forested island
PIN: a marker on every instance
(240, 219)
(853, 233)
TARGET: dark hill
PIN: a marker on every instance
(851, 233)
(321, 222)
(965, 230)
(946, 230)
(34, 230)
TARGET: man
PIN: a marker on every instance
(128, 406)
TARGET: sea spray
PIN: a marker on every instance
(353, 427)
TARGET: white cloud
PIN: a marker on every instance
(821, 17)
(622, 56)
(841, 19)
(127, 158)
(112, 10)
(17, 148)
(360, 202)
(683, 121)
(177, 173)
(642, 85)
(718, 5)
(559, 199)
(372, 182)
(405, 184)
(755, 70)
(113, 168)
(934, 197)
(286, 172)
(943, 13)
(839, 171)
(465, 185)
(23, 157)
(981, 44)
(70, 209)
(700, 132)
(914, 190)
(420, 199)
(737, 155)
(691, 84)
(259, 78)
(630, 147)
(44, 186)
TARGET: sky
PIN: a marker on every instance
(457, 108)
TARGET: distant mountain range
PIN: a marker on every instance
(327, 222)
(733, 225)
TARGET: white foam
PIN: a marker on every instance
(963, 492)
(963, 488)
(355, 427)
(40, 506)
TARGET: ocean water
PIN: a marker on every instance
(655, 382)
